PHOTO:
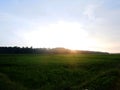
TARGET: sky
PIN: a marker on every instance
(73, 24)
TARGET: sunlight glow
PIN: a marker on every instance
(61, 34)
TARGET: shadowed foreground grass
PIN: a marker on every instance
(60, 72)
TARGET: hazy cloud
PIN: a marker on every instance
(99, 18)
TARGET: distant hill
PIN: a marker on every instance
(30, 50)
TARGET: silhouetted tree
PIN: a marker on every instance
(27, 50)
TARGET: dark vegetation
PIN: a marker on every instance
(27, 50)
(95, 71)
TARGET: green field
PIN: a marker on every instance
(60, 72)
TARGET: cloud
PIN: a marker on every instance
(100, 18)
(90, 11)
(62, 33)
(104, 24)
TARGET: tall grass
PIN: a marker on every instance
(60, 72)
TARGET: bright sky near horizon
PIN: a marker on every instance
(74, 24)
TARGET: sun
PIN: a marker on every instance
(60, 34)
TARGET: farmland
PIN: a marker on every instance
(59, 72)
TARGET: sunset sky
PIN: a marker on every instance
(74, 24)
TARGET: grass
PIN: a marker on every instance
(60, 72)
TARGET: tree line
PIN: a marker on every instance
(30, 50)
